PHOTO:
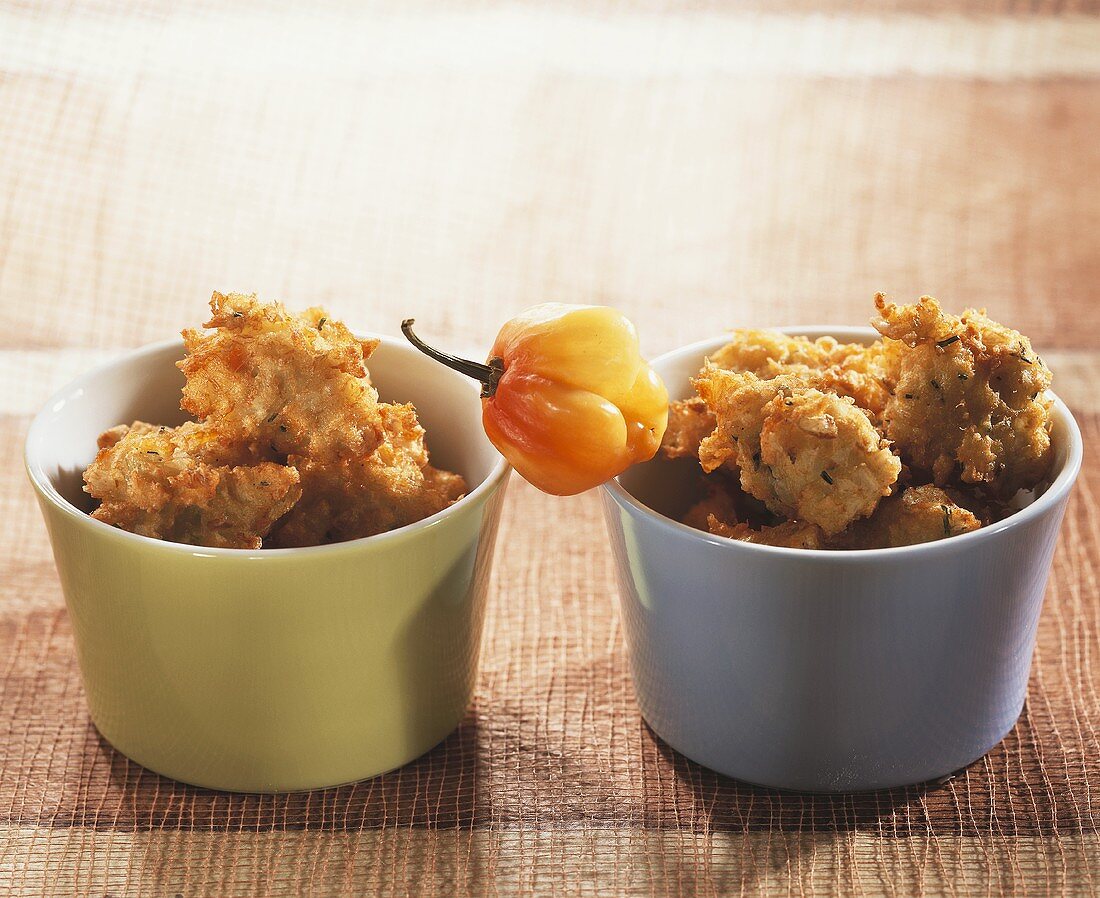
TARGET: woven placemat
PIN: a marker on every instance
(554, 745)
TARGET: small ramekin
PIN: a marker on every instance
(828, 670)
(271, 670)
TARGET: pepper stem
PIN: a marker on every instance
(488, 375)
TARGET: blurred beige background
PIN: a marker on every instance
(700, 165)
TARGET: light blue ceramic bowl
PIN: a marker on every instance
(828, 670)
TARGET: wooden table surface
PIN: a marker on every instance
(699, 165)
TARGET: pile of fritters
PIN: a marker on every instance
(290, 446)
(927, 433)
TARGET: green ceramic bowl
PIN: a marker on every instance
(273, 670)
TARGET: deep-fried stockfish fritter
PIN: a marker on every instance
(790, 534)
(353, 498)
(840, 440)
(689, 423)
(919, 514)
(179, 484)
(766, 353)
(847, 369)
(292, 447)
(809, 456)
(279, 383)
(969, 399)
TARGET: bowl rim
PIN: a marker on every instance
(45, 489)
(1055, 493)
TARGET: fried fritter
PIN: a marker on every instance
(847, 369)
(809, 456)
(279, 383)
(689, 423)
(352, 498)
(292, 447)
(840, 441)
(161, 482)
(919, 514)
(969, 401)
(765, 353)
(792, 534)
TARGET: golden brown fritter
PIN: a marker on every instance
(809, 456)
(281, 384)
(919, 514)
(292, 447)
(155, 481)
(847, 369)
(352, 498)
(792, 534)
(969, 401)
(765, 353)
(689, 423)
(845, 437)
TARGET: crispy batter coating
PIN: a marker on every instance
(292, 447)
(919, 514)
(279, 383)
(840, 440)
(847, 369)
(969, 401)
(689, 423)
(792, 534)
(809, 456)
(158, 482)
(353, 498)
(764, 353)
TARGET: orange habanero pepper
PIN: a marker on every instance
(566, 396)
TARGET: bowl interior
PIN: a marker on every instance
(672, 487)
(145, 385)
